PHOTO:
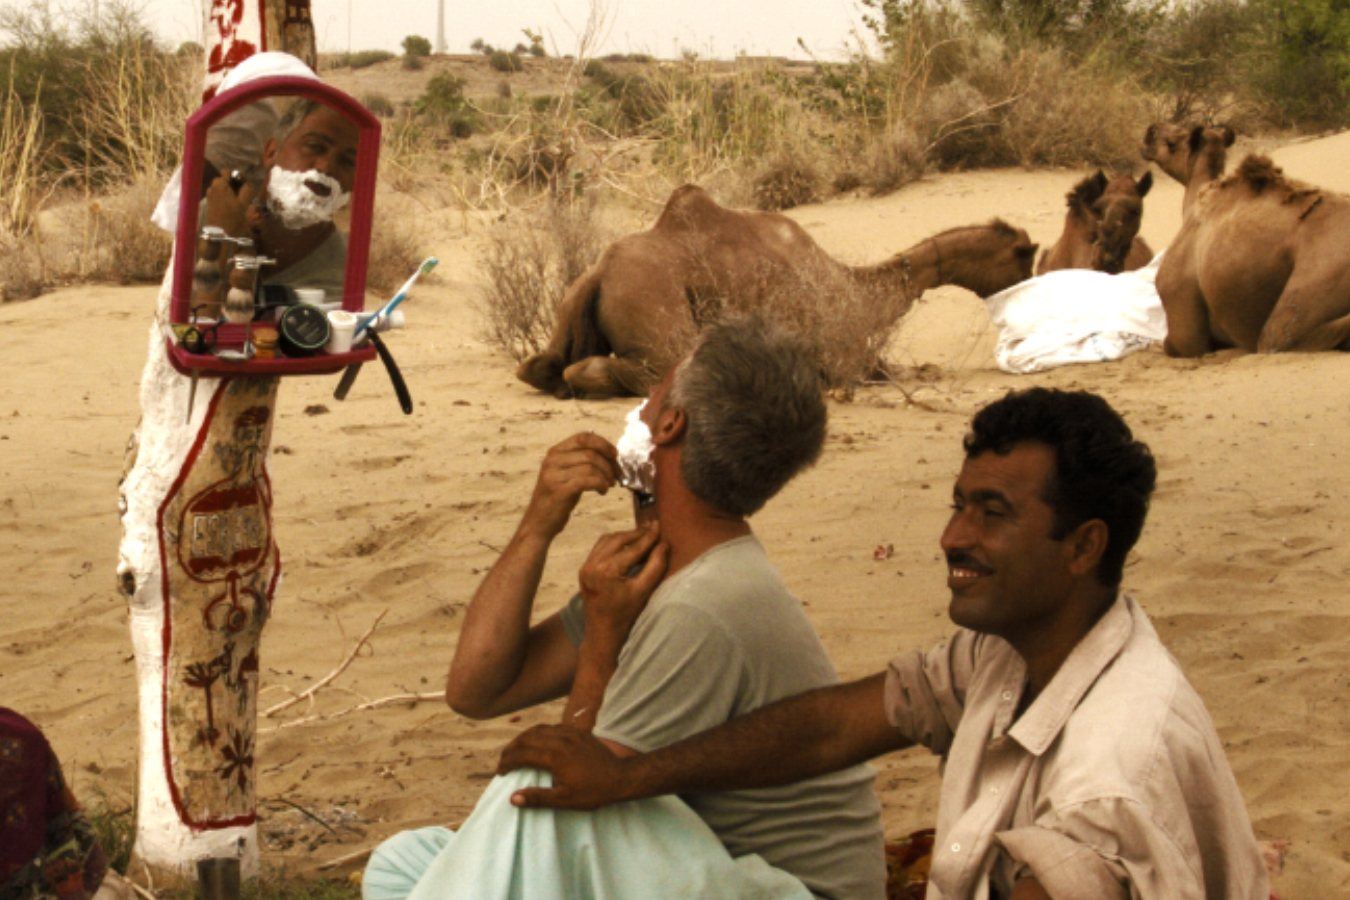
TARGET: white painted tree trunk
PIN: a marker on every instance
(197, 557)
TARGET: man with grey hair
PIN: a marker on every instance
(681, 624)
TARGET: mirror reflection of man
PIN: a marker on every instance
(308, 168)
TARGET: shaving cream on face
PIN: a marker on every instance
(292, 198)
(636, 470)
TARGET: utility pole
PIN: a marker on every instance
(440, 26)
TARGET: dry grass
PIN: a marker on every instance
(527, 261)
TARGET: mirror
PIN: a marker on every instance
(284, 171)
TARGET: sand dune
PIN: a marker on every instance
(1243, 564)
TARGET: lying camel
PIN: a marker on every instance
(1102, 226)
(1262, 262)
(1193, 156)
(632, 315)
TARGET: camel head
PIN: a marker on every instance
(1118, 213)
(1177, 148)
(986, 259)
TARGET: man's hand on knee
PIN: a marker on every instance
(586, 774)
(583, 462)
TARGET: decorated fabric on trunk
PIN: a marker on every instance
(47, 846)
(220, 569)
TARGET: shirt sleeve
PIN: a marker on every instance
(678, 674)
(1109, 847)
(926, 692)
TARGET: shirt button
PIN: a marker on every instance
(1007, 695)
(956, 848)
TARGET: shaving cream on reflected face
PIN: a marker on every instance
(301, 199)
(636, 470)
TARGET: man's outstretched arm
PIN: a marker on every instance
(813, 733)
(501, 664)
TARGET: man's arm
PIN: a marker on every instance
(811, 734)
(612, 602)
(501, 664)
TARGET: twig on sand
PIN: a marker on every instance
(293, 805)
(309, 692)
(410, 699)
(344, 858)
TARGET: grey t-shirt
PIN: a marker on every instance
(324, 267)
(719, 638)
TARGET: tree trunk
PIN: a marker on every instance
(198, 559)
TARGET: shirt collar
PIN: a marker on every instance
(1042, 722)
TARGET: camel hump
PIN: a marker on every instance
(688, 207)
(1259, 173)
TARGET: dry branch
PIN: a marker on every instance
(309, 692)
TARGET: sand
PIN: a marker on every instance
(1242, 564)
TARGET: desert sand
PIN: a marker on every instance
(1242, 566)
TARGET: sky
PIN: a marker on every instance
(712, 28)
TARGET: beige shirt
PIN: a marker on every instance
(1112, 783)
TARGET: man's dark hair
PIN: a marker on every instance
(754, 414)
(1101, 471)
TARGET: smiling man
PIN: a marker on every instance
(1079, 762)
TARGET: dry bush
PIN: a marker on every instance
(120, 243)
(528, 260)
(892, 160)
(790, 179)
(21, 161)
(396, 248)
(845, 326)
(20, 269)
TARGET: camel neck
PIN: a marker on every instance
(1207, 168)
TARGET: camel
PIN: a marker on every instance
(1193, 156)
(1102, 226)
(1261, 262)
(634, 313)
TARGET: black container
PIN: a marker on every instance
(303, 330)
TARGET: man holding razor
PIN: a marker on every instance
(720, 636)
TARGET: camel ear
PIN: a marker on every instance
(1144, 184)
(1197, 136)
(1228, 136)
(1151, 133)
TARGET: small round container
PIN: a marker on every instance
(304, 330)
(343, 325)
(312, 296)
(265, 339)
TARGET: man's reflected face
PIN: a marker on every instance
(325, 141)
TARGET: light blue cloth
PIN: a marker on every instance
(630, 851)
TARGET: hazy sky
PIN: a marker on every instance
(718, 28)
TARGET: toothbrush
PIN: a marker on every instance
(427, 265)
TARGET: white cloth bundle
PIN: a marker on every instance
(1076, 316)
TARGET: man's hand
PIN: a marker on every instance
(583, 462)
(611, 599)
(226, 208)
(586, 775)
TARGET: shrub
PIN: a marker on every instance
(416, 45)
(528, 261)
(395, 245)
(788, 180)
(379, 104)
(443, 103)
(362, 59)
(502, 61)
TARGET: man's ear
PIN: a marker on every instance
(670, 425)
(1087, 544)
(269, 154)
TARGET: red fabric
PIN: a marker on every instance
(47, 847)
